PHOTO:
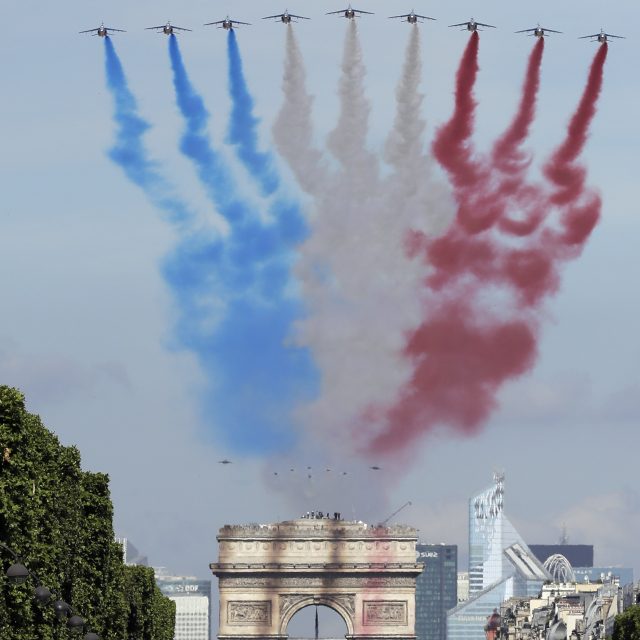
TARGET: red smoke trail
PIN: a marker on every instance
(451, 146)
(484, 293)
(567, 176)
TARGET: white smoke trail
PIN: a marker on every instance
(427, 202)
(293, 130)
(360, 287)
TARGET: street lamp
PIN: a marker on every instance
(19, 573)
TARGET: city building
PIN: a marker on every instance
(561, 611)
(579, 555)
(130, 554)
(436, 589)
(624, 575)
(463, 586)
(193, 604)
(501, 566)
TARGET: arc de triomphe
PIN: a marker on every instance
(267, 573)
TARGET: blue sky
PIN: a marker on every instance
(86, 322)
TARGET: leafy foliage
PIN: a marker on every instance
(59, 518)
(627, 624)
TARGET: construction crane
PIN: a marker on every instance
(396, 512)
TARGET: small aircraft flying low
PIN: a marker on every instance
(412, 17)
(286, 17)
(538, 32)
(227, 23)
(472, 25)
(102, 31)
(601, 37)
(349, 12)
(167, 29)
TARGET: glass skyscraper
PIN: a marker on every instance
(436, 589)
(501, 565)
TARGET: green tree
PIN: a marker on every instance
(59, 518)
(627, 624)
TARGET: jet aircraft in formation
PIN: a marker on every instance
(472, 25)
(102, 31)
(349, 12)
(167, 29)
(601, 37)
(538, 32)
(227, 23)
(286, 17)
(412, 17)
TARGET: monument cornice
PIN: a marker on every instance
(318, 568)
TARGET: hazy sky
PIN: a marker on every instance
(86, 319)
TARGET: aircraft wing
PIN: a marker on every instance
(526, 30)
(482, 24)
(162, 26)
(90, 30)
(361, 11)
(238, 22)
(610, 35)
(460, 24)
(330, 13)
(550, 30)
(206, 24)
(593, 35)
(183, 28)
(300, 17)
(424, 17)
(406, 15)
(279, 15)
(112, 29)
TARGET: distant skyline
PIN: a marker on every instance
(86, 329)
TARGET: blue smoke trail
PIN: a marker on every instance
(243, 125)
(236, 306)
(129, 152)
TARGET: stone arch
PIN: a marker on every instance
(268, 572)
(343, 606)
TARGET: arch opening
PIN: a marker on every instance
(302, 624)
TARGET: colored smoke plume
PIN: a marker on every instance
(243, 124)
(293, 128)
(129, 151)
(361, 287)
(485, 293)
(235, 299)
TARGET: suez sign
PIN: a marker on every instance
(429, 554)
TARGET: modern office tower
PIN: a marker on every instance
(578, 555)
(501, 565)
(193, 604)
(436, 589)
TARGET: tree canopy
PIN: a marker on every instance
(627, 624)
(59, 519)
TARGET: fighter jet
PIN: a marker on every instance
(601, 37)
(227, 23)
(102, 31)
(225, 461)
(538, 32)
(472, 25)
(412, 17)
(349, 13)
(167, 29)
(286, 17)
(375, 467)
